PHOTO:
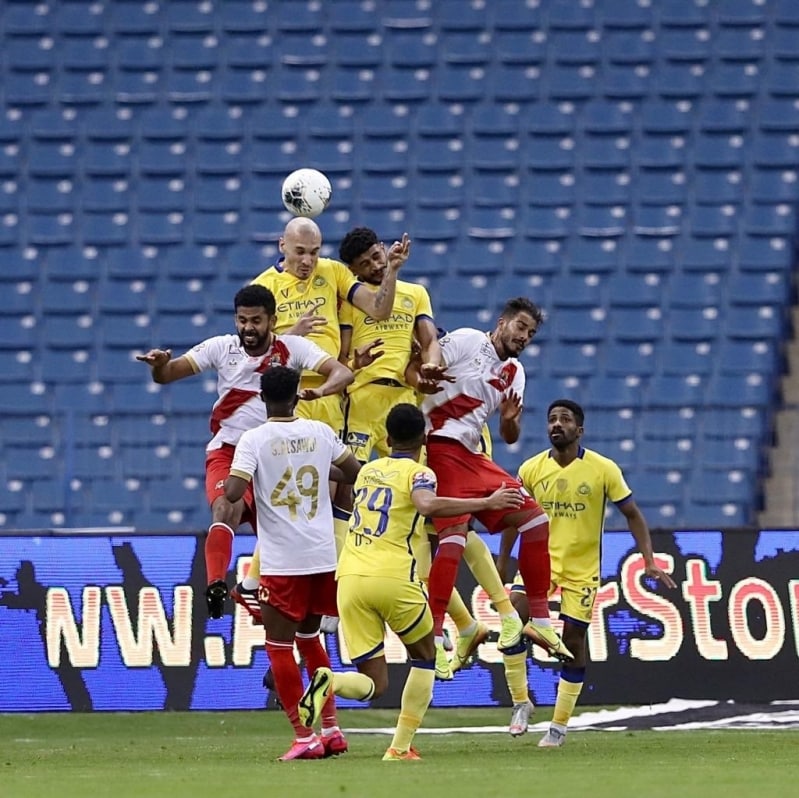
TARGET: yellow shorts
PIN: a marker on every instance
(576, 599)
(327, 409)
(365, 417)
(367, 604)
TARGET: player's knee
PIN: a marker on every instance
(225, 512)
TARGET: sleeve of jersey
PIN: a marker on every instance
(617, 488)
(424, 308)
(305, 354)
(346, 317)
(205, 355)
(340, 450)
(423, 479)
(264, 279)
(346, 284)
(244, 460)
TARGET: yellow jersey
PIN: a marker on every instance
(385, 524)
(411, 303)
(575, 498)
(330, 285)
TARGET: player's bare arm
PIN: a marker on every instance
(640, 531)
(337, 378)
(378, 304)
(163, 368)
(234, 488)
(510, 417)
(432, 363)
(307, 324)
(428, 504)
(346, 470)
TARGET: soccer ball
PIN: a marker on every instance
(306, 192)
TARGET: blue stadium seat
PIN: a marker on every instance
(735, 390)
(715, 187)
(693, 324)
(755, 322)
(668, 423)
(350, 15)
(545, 222)
(747, 357)
(547, 189)
(436, 155)
(514, 83)
(667, 455)
(575, 291)
(499, 189)
(66, 366)
(573, 325)
(712, 221)
(491, 222)
(634, 290)
(756, 288)
(660, 186)
(636, 324)
(623, 359)
(685, 358)
(664, 117)
(730, 79)
(739, 422)
(510, 15)
(727, 454)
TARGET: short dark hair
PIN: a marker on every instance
(255, 296)
(521, 304)
(405, 424)
(279, 384)
(577, 411)
(355, 243)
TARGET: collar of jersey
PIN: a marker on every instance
(580, 453)
(401, 456)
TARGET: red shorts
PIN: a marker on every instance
(300, 595)
(217, 470)
(463, 474)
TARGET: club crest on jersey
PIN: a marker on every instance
(505, 377)
(584, 489)
(318, 281)
(219, 485)
(406, 302)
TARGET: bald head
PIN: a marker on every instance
(300, 245)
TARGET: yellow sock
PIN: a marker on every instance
(568, 693)
(460, 615)
(416, 698)
(516, 676)
(351, 684)
(481, 564)
(341, 526)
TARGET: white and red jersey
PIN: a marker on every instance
(239, 406)
(288, 461)
(481, 380)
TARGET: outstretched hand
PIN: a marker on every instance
(510, 407)
(505, 498)
(653, 572)
(156, 358)
(365, 355)
(307, 323)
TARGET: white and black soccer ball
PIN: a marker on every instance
(306, 192)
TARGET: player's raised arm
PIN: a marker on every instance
(378, 305)
(510, 417)
(164, 369)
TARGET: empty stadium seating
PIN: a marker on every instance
(632, 166)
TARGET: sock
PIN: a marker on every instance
(288, 683)
(569, 687)
(341, 526)
(516, 675)
(534, 563)
(252, 580)
(416, 697)
(461, 616)
(315, 656)
(218, 551)
(481, 564)
(443, 571)
(352, 684)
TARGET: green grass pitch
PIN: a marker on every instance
(198, 755)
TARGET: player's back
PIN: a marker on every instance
(385, 522)
(292, 496)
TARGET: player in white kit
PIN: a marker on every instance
(287, 460)
(239, 361)
(485, 378)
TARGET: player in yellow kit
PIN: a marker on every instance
(378, 580)
(306, 285)
(309, 290)
(573, 485)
